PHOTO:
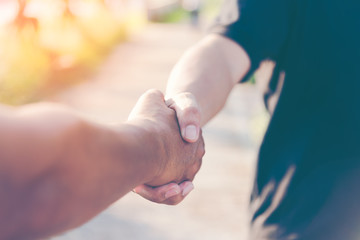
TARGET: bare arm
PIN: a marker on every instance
(208, 71)
(58, 170)
(198, 88)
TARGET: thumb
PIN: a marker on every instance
(188, 115)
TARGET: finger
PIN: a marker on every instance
(170, 194)
(188, 114)
(149, 97)
(186, 187)
(152, 94)
(158, 194)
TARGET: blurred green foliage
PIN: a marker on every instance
(208, 10)
(177, 15)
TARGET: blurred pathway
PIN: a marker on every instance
(217, 208)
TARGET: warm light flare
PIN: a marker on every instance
(44, 43)
(8, 11)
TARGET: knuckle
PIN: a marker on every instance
(170, 103)
(153, 196)
(156, 199)
(194, 169)
(192, 111)
(185, 100)
(200, 150)
(202, 146)
(187, 95)
(154, 92)
(197, 166)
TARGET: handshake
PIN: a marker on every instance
(174, 145)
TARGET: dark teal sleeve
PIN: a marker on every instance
(261, 27)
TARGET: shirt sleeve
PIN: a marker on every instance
(261, 27)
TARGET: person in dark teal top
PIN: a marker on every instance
(308, 171)
(309, 161)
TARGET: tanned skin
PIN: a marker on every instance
(58, 170)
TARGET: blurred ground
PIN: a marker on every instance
(217, 208)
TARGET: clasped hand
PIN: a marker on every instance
(180, 144)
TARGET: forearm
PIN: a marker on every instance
(58, 170)
(209, 71)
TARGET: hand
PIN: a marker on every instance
(188, 116)
(170, 194)
(177, 160)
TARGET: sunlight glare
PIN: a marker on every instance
(8, 11)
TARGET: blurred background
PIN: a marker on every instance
(98, 57)
(48, 45)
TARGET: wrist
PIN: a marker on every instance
(144, 149)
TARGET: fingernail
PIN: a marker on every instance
(172, 192)
(187, 189)
(190, 132)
